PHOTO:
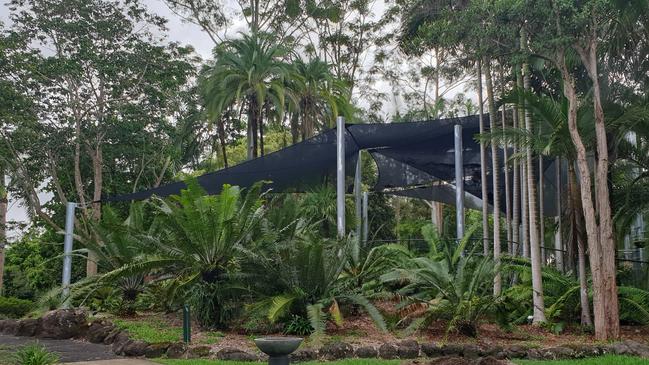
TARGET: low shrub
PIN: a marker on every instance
(14, 308)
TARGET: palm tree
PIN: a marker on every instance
(250, 71)
(321, 96)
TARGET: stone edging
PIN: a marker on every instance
(70, 323)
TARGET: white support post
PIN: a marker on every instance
(340, 176)
(67, 252)
(459, 182)
(358, 198)
(365, 218)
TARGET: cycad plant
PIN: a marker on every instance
(116, 243)
(309, 274)
(455, 285)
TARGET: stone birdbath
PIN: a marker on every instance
(278, 348)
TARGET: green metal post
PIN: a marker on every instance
(187, 329)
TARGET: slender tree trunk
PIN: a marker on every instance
(558, 242)
(483, 169)
(607, 321)
(493, 126)
(437, 215)
(541, 213)
(535, 251)
(295, 128)
(4, 204)
(604, 292)
(508, 212)
(220, 125)
(516, 194)
(525, 239)
(581, 254)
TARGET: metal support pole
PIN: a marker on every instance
(187, 325)
(459, 182)
(365, 218)
(67, 252)
(358, 198)
(340, 176)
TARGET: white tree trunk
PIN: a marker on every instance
(483, 169)
(3, 225)
(535, 251)
(493, 124)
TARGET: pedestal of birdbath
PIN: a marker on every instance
(278, 348)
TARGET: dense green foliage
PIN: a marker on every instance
(14, 308)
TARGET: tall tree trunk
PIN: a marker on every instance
(558, 242)
(508, 212)
(516, 194)
(581, 254)
(437, 216)
(493, 125)
(541, 213)
(535, 251)
(98, 181)
(4, 204)
(525, 239)
(483, 169)
(604, 292)
(220, 125)
(295, 131)
(606, 306)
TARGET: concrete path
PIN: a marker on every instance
(67, 350)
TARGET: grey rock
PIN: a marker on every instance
(558, 353)
(431, 349)
(197, 352)
(27, 327)
(336, 350)
(234, 354)
(176, 350)
(453, 350)
(450, 360)
(637, 348)
(584, 350)
(408, 349)
(302, 355)
(516, 352)
(135, 348)
(111, 336)
(535, 354)
(62, 324)
(120, 343)
(490, 360)
(98, 331)
(471, 351)
(155, 350)
(366, 352)
(10, 326)
(388, 351)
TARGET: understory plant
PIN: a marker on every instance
(34, 354)
(450, 283)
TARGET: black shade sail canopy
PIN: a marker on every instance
(414, 159)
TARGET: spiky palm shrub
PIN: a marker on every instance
(116, 243)
(308, 274)
(449, 284)
(562, 296)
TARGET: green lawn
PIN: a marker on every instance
(604, 360)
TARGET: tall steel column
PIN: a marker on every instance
(67, 252)
(365, 218)
(358, 199)
(459, 182)
(340, 176)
